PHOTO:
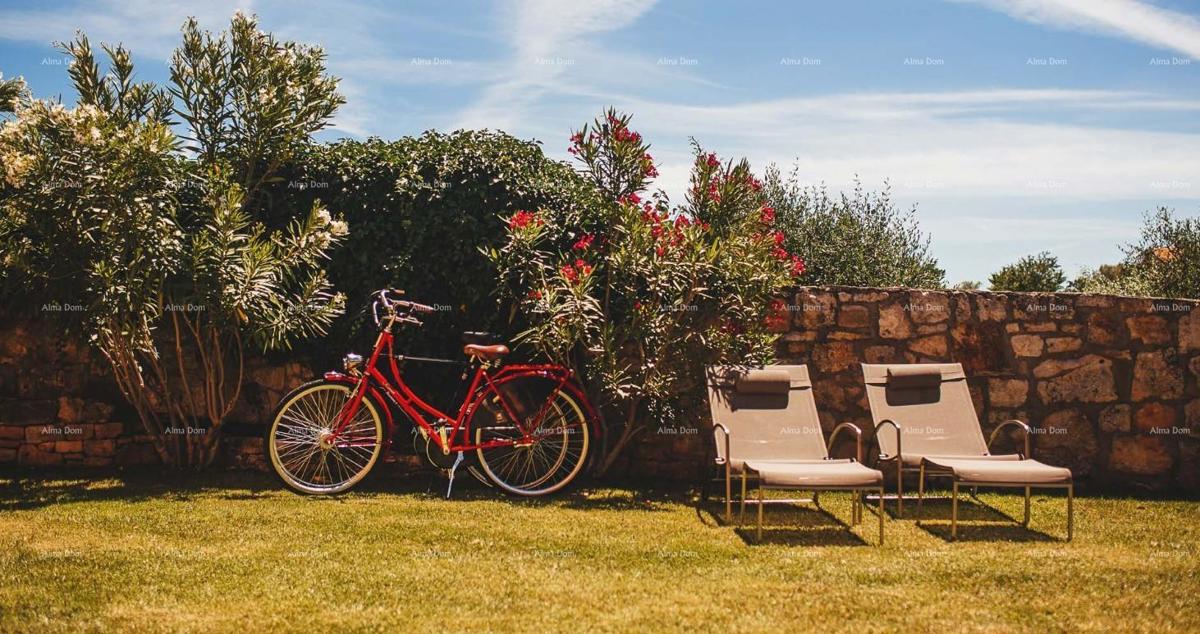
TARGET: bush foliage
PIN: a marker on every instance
(420, 209)
(1164, 262)
(639, 296)
(160, 248)
(1039, 273)
(859, 239)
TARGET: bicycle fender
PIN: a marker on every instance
(338, 377)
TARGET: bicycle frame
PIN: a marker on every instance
(457, 435)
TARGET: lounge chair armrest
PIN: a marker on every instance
(1016, 423)
(888, 421)
(858, 454)
(725, 430)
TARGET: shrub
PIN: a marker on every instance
(861, 239)
(420, 211)
(1165, 262)
(638, 296)
(1033, 273)
(163, 251)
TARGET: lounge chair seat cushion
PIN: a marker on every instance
(1008, 469)
(914, 460)
(816, 473)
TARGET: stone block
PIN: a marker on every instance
(28, 412)
(1063, 344)
(1066, 438)
(1115, 418)
(854, 316)
(1189, 331)
(1008, 392)
(894, 322)
(1027, 345)
(1106, 329)
(1140, 455)
(1149, 329)
(34, 456)
(77, 410)
(1157, 375)
(929, 307)
(1155, 418)
(1085, 380)
(931, 346)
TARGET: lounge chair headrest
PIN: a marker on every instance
(763, 382)
(914, 377)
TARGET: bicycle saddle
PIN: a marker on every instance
(490, 353)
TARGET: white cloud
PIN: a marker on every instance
(1139, 21)
(145, 27)
(548, 38)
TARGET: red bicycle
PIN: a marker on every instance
(529, 427)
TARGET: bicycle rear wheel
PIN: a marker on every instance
(559, 443)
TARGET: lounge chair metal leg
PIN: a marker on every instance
(742, 512)
(880, 516)
(1025, 523)
(921, 494)
(1070, 511)
(954, 511)
(728, 494)
(899, 487)
(758, 536)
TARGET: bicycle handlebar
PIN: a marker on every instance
(391, 305)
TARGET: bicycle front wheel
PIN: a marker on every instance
(305, 453)
(556, 448)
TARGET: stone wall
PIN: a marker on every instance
(60, 408)
(1110, 384)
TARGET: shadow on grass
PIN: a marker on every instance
(27, 490)
(999, 526)
(786, 523)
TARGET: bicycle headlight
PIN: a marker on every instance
(352, 363)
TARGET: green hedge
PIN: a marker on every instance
(419, 210)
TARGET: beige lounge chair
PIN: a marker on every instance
(766, 428)
(936, 433)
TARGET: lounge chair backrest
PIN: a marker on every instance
(932, 404)
(770, 413)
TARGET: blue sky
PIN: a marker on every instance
(1028, 125)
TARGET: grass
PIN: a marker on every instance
(232, 552)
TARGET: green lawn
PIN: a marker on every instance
(233, 552)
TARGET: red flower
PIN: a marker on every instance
(779, 238)
(780, 253)
(712, 160)
(631, 198)
(797, 266)
(523, 219)
(637, 305)
(660, 250)
(569, 273)
(767, 215)
(648, 169)
(584, 242)
(535, 294)
(682, 221)
(583, 267)
(755, 184)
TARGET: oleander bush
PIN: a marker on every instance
(639, 295)
(153, 235)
